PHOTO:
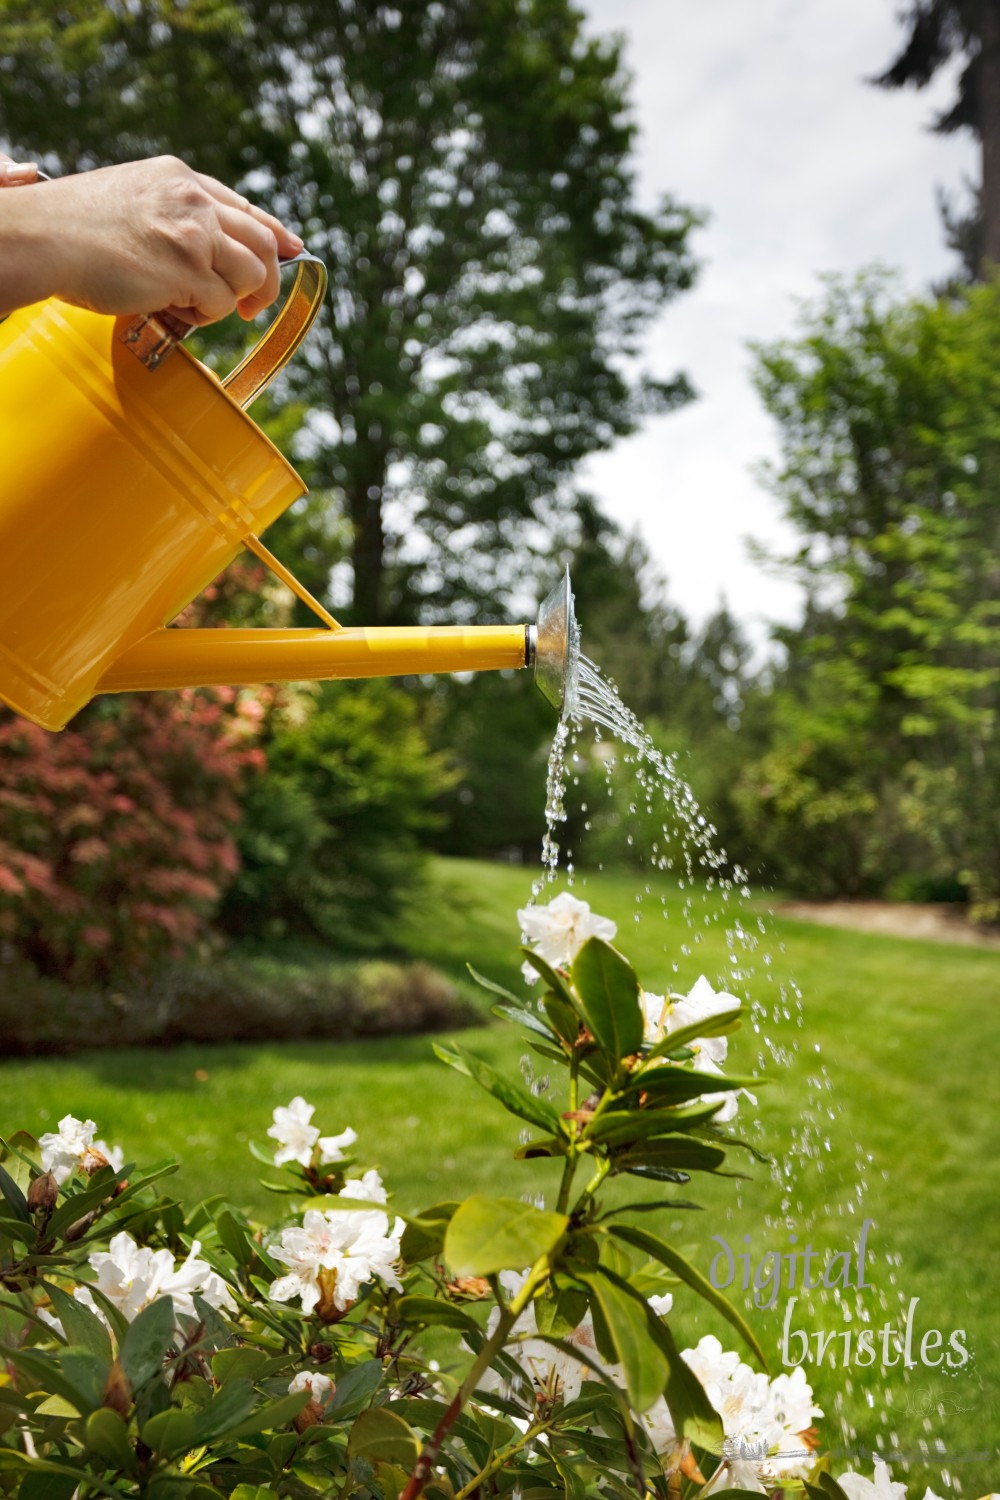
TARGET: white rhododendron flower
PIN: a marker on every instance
(882, 1487)
(664, 1015)
(293, 1132)
(333, 1147)
(297, 1137)
(132, 1276)
(560, 930)
(63, 1150)
(335, 1254)
(758, 1414)
(368, 1187)
(319, 1386)
(702, 1003)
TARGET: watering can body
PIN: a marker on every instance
(124, 491)
(130, 477)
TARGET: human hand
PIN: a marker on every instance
(16, 174)
(155, 234)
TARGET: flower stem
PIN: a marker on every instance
(499, 1459)
(509, 1315)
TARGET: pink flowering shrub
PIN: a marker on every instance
(117, 836)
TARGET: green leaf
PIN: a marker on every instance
(11, 1459)
(627, 1318)
(56, 1406)
(80, 1325)
(217, 1334)
(723, 1024)
(383, 1438)
(424, 1233)
(555, 981)
(529, 1019)
(170, 1433)
(87, 1374)
(354, 1390)
(500, 1234)
(46, 1486)
(496, 989)
(227, 1409)
(826, 1488)
(13, 1196)
(253, 1492)
(674, 1154)
(693, 1414)
(751, 1494)
(45, 1373)
(659, 1250)
(560, 1309)
(671, 1083)
(516, 1100)
(22, 1158)
(145, 1345)
(276, 1414)
(620, 1126)
(239, 1364)
(425, 1311)
(608, 988)
(564, 1018)
(106, 1434)
(79, 1204)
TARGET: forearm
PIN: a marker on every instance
(29, 250)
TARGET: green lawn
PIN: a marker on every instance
(885, 1110)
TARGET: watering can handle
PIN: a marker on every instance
(275, 348)
(153, 337)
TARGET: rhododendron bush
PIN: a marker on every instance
(155, 1349)
(117, 837)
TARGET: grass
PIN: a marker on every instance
(884, 1111)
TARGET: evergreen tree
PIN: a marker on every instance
(936, 31)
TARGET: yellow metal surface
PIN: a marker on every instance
(123, 493)
(203, 658)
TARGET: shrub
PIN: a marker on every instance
(117, 836)
(227, 1001)
(330, 838)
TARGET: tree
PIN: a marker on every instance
(464, 168)
(890, 426)
(935, 32)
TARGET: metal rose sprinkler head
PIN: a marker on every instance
(554, 646)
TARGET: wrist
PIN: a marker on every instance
(30, 263)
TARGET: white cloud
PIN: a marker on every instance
(760, 114)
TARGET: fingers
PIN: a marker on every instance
(288, 243)
(16, 174)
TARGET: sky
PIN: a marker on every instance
(759, 113)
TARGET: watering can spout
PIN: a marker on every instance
(553, 647)
(236, 658)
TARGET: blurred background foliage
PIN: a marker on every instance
(465, 169)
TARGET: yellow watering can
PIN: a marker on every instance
(130, 476)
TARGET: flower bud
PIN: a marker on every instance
(308, 1417)
(117, 1390)
(321, 1353)
(93, 1160)
(77, 1230)
(472, 1287)
(43, 1192)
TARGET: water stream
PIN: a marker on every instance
(712, 892)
